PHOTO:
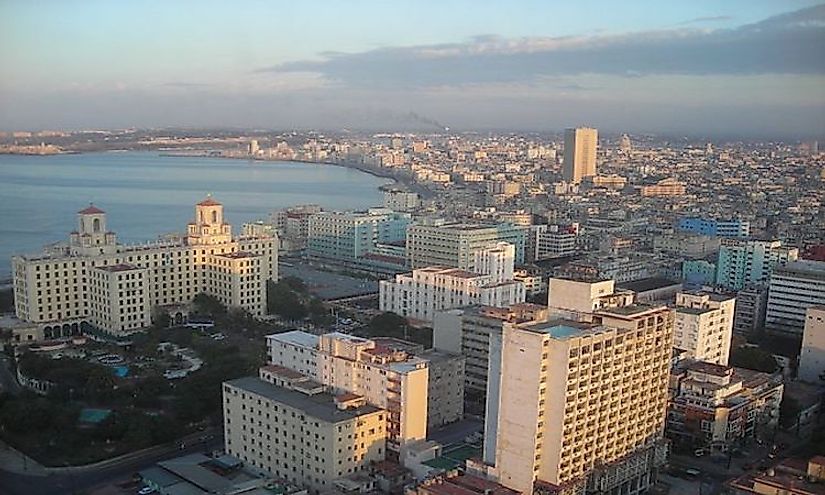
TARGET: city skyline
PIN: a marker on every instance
(408, 66)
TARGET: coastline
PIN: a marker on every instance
(379, 172)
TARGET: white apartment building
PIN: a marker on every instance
(93, 280)
(812, 356)
(793, 289)
(579, 405)
(439, 243)
(300, 433)
(703, 326)
(424, 292)
(386, 378)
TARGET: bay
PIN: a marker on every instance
(145, 194)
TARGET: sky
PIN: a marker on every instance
(697, 67)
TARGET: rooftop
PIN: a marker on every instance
(91, 210)
(296, 337)
(320, 406)
(647, 284)
(209, 201)
(560, 329)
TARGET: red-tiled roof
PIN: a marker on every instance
(209, 202)
(91, 210)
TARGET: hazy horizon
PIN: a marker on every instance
(738, 69)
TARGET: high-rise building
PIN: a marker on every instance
(812, 356)
(253, 147)
(793, 289)
(387, 378)
(579, 406)
(297, 431)
(454, 245)
(703, 326)
(579, 153)
(467, 331)
(94, 280)
(742, 263)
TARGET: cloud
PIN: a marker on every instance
(702, 20)
(785, 44)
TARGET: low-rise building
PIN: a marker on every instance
(298, 432)
(387, 378)
(715, 407)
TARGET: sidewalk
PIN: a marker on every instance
(17, 462)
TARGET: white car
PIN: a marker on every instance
(146, 490)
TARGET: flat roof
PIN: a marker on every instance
(560, 329)
(296, 337)
(647, 284)
(320, 406)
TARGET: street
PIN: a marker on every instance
(80, 480)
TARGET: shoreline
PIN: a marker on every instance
(381, 173)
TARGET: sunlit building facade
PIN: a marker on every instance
(94, 280)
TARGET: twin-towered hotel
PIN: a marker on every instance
(95, 280)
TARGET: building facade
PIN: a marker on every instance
(793, 289)
(579, 154)
(714, 406)
(580, 406)
(812, 356)
(346, 237)
(454, 245)
(743, 263)
(299, 432)
(714, 227)
(386, 378)
(703, 326)
(95, 280)
(426, 291)
(467, 331)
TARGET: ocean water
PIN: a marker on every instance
(145, 194)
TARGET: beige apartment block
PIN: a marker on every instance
(703, 326)
(95, 280)
(298, 432)
(579, 405)
(453, 245)
(387, 378)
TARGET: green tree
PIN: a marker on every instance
(753, 358)
(318, 313)
(789, 410)
(283, 301)
(388, 324)
(160, 318)
(208, 305)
